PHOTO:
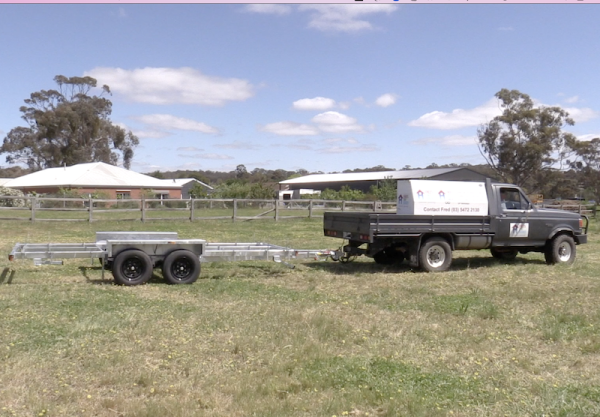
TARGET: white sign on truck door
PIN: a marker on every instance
(448, 198)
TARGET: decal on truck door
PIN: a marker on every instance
(519, 230)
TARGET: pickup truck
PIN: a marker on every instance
(511, 225)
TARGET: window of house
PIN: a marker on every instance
(123, 195)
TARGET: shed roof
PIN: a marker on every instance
(372, 176)
(95, 174)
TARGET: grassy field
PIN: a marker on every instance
(324, 339)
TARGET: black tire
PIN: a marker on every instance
(388, 256)
(504, 255)
(132, 267)
(561, 250)
(435, 255)
(181, 267)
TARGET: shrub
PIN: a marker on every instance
(12, 202)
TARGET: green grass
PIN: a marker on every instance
(487, 338)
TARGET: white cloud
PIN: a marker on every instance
(239, 145)
(506, 28)
(344, 17)
(172, 86)
(448, 141)
(386, 100)
(340, 140)
(459, 118)
(588, 137)
(151, 134)
(168, 121)
(290, 129)
(206, 156)
(317, 103)
(349, 149)
(573, 99)
(581, 114)
(189, 149)
(279, 9)
(335, 122)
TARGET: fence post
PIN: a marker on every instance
(33, 204)
(91, 208)
(234, 209)
(276, 210)
(344, 205)
(310, 208)
(191, 209)
(143, 203)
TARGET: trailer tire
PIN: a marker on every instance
(508, 255)
(435, 255)
(132, 267)
(181, 267)
(560, 250)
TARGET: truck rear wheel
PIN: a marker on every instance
(132, 267)
(505, 255)
(560, 250)
(181, 267)
(435, 255)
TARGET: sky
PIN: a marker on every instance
(319, 87)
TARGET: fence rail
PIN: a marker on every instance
(39, 209)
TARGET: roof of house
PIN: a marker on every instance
(95, 174)
(372, 176)
(183, 181)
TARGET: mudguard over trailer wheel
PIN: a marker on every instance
(435, 255)
(181, 267)
(132, 267)
(560, 250)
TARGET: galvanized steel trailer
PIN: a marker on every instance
(132, 256)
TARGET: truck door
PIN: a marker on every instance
(518, 222)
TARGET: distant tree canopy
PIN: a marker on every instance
(525, 139)
(67, 127)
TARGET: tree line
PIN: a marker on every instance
(525, 145)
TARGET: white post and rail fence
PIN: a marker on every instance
(39, 209)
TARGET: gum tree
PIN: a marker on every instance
(68, 126)
(524, 139)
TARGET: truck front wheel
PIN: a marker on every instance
(435, 255)
(560, 250)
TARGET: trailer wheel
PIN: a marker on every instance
(435, 255)
(560, 250)
(132, 267)
(181, 267)
(507, 255)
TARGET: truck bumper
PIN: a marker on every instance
(581, 239)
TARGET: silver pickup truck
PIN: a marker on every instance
(512, 225)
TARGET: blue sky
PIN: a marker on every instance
(315, 87)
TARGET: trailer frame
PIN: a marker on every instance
(132, 256)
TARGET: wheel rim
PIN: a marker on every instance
(436, 256)
(132, 269)
(564, 252)
(181, 268)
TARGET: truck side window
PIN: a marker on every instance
(511, 199)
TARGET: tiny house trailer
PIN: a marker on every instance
(132, 256)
